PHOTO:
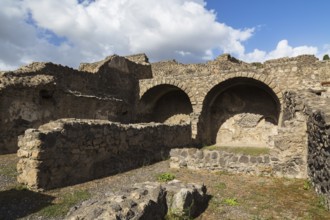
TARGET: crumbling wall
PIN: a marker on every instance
(41, 92)
(319, 154)
(315, 108)
(246, 129)
(287, 154)
(70, 151)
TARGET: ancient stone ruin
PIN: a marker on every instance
(124, 112)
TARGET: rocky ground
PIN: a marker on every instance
(232, 196)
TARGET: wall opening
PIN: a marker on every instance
(239, 112)
(165, 104)
(46, 94)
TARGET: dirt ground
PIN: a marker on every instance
(232, 196)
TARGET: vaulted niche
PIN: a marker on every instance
(239, 112)
(164, 103)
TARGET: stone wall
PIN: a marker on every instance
(40, 92)
(197, 81)
(70, 151)
(319, 153)
(314, 105)
(219, 160)
(287, 146)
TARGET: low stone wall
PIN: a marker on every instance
(70, 151)
(218, 160)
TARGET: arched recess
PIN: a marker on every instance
(164, 103)
(243, 100)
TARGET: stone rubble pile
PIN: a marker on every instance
(148, 200)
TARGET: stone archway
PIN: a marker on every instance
(240, 111)
(164, 103)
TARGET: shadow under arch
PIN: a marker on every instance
(235, 96)
(161, 102)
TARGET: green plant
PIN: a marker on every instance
(321, 202)
(221, 186)
(63, 204)
(9, 171)
(171, 215)
(326, 57)
(230, 201)
(307, 185)
(165, 177)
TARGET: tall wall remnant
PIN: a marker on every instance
(40, 92)
(224, 102)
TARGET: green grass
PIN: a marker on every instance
(165, 177)
(253, 151)
(230, 201)
(64, 203)
(307, 185)
(221, 186)
(9, 171)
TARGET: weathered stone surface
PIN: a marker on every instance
(70, 151)
(40, 92)
(147, 200)
(226, 101)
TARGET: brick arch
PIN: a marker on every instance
(161, 101)
(221, 84)
(144, 88)
(262, 78)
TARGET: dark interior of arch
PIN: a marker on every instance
(162, 102)
(236, 96)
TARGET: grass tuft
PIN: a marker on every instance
(230, 201)
(165, 177)
(8, 171)
(64, 203)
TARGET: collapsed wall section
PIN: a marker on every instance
(40, 92)
(70, 151)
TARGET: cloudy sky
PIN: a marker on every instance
(73, 31)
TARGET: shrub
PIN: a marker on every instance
(326, 57)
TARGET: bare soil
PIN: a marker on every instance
(233, 196)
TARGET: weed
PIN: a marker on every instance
(176, 214)
(63, 204)
(165, 177)
(171, 215)
(321, 202)
(20, 187)
(307, 185)
(221, 186)
(230, 201)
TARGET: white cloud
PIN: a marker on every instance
(68, 32)
(283, 49)
(173, 29)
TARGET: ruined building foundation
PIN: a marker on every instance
(124, 112)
